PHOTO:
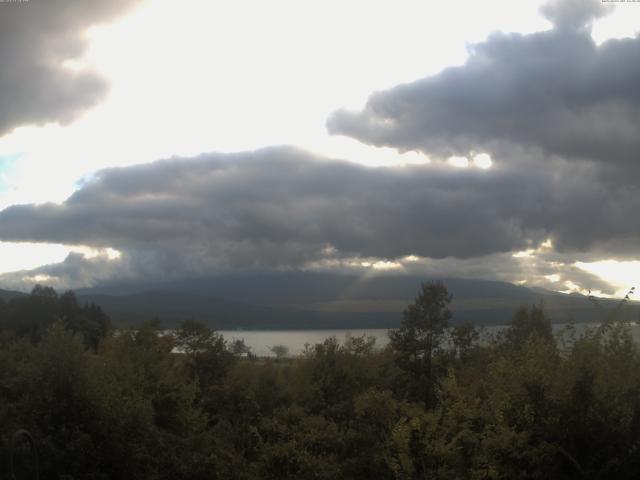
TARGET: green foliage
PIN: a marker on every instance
(33, 315)
(280, 351)
(335, 373)
(464, 337)
(207, 356)
(527, 324)
(186, 405)
(420, 337)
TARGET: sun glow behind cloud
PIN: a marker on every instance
(622, 274)
(460, 162)
(21, 256)
(26, 256)
(483, 161)
(195, 76)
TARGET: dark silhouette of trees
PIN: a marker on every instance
(239, 347)
(528, 323)
(148, 403)
(280, 351)
(420, 336)
(207, 355)
(33, 315)
(464, 337)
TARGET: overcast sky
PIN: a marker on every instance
(167, 139)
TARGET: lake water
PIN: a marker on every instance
(260, 341)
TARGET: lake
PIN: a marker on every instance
(261, 340)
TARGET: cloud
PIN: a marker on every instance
(75, 271)
(279, 206)
(556, 111)
(558, 114)
(553, 93)
(36, 38)
(575, 14)
(282, 207)
(543, 269)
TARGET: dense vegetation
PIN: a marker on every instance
(436, 403)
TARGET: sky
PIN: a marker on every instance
(162, 139)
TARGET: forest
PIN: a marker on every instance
(440, 401)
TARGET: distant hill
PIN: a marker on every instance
(172, 307)
(7, 295)
(302, 287)
(312, 300)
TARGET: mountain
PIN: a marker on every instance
(301, 287)
(7, 295)
(314, 300)
(170, 307)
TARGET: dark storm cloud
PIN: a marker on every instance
(554, 92)
(282, 207)
(279, 206)
(36, 37)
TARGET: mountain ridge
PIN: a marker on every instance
(300, 300)
(312, 300)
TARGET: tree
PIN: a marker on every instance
(33, 315)
(280, 351)
(89, 320)
(527, 324)
(239, 347)
(206, 351)
(420, 336)
(463, 338)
